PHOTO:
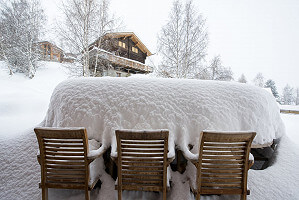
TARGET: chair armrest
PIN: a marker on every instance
(94, 154)
(170, 159)
(38, 159)
(190, 156)
(250, 163)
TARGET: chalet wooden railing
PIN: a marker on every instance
(125, 62)
(289, 111)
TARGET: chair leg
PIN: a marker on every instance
(198, 196)
(87, 194)
(119, 194)
(44, 193)
(243, 196)
(164, 193)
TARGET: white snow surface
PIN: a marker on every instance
(185, 107)
(24, 101)
(289, 107)
(20, 172)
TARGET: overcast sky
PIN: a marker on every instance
(251, 36)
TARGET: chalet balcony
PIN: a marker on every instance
(121, 62)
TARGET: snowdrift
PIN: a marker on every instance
(185, 107)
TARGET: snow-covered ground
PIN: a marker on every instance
(24, 101)
(24, 104)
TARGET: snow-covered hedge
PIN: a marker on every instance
(185, 107)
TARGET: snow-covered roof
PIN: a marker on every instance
(134, 38)
(185, 107)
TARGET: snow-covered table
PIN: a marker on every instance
(185, 107)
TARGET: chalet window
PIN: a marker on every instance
(134, 49)
(122, 44)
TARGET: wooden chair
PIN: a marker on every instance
(142, 160)
(223, 163)
(64, 160)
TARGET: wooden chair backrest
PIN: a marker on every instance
(63, 157)
(142, 160)
(223, 162)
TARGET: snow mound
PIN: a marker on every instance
(185, 107)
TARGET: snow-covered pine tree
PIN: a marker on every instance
(271, 84)
(242, 79)
(21, 26)
(182, 42)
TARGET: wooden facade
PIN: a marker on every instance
(124, 53)
(50, 52)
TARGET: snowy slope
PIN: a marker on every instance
(24, 101)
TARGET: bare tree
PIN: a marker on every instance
(84, 22)
(242, 79)
(182, 42)
(215, 71)
(218, 71)
(21, 24)
(259, 80)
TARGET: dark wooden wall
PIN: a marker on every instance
(111, 45)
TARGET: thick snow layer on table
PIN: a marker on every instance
(185, 107)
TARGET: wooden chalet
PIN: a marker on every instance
(119, 54)
(50, 52)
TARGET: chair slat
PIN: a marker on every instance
(141, 181)
(65, 154)
(62, 141)
(223, 144)
(151, 168)
(143, 146)
(143, 150)
(149, 164)
(143, 172)
(142, 159)
(149, 187)
(223, 157)
(64, 149)
(222, 175)
(156, 155)
(65, 162)
(51, 157)
(222, 153)
(221, 191)
(73, 176)
(65, 171)
(147, 142)
(222, 180)
(63, 145)
(224, 148)
(220, 184)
